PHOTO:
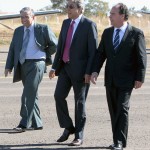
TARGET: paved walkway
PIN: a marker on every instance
(97, 130)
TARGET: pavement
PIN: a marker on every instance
(97, 133)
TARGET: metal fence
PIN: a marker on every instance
(7, 37)
(148, 51)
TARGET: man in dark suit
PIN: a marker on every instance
(123, 48)
(32, 45)
(73, 64)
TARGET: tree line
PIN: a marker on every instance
(92, 7)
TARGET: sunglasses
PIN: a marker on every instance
(71, 6)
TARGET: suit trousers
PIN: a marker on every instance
(64, 84)
(118, 104)
(31, 73)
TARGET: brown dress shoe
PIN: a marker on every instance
(65, 135)
(76, 142)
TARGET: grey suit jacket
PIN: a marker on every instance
(128, 64)
(82, 50)
(45, 40)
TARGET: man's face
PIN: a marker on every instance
(26, 19)
(72, 10)
(116, 19)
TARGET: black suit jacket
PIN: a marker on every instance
(82, 50)
(44, 38)
(128, 64)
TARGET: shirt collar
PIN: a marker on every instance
(77, 20)
(123, 28)
(30, 27)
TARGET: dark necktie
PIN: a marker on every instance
(116, 39)
(68, 42)
(24, 46)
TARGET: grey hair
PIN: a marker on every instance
(27, 9)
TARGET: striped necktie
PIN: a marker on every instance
(116, 39)
(24, 46)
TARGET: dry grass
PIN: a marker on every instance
(55, 22)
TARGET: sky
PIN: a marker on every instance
(138, 4)
(17, 5)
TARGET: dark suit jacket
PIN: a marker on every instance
(45, 40)
(128, 64)
(82, 50)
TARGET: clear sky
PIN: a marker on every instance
(16, 5)
(138, 4)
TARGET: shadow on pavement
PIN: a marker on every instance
(30, 147)
(9, 131)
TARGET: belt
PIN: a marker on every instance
(34, 60)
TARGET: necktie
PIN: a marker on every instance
(24, 46)
(68, 42)
(116, 39)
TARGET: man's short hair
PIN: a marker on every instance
(27, 9)
(123, 9)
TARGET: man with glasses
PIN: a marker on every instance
(72, 63)
(32, 44)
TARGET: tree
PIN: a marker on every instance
(59, 4)
(92, 7)
(132, 11)
(96, 7)
(144, 8)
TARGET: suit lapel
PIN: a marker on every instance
(37, 32)
(110, 38)
(20, 42)
(78, 30)
(125, 37)
(66, 27)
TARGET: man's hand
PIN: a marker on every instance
(94, 77)
(7, 71)
(137, 84)
(52, 74)
(87, 78)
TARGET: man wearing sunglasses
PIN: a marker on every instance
(72, 63)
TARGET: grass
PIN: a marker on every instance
(55, 22)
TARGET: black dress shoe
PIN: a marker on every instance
(117, 147)
(38, 128)
(20, 128)
(76, 142)
(34, 128)
(65, 135)
(111, 146)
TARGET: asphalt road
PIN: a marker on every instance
(97, 134)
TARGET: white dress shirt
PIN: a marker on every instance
(33, 51)
(121, 33)
(77, 20)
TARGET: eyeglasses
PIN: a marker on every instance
(71, 6)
